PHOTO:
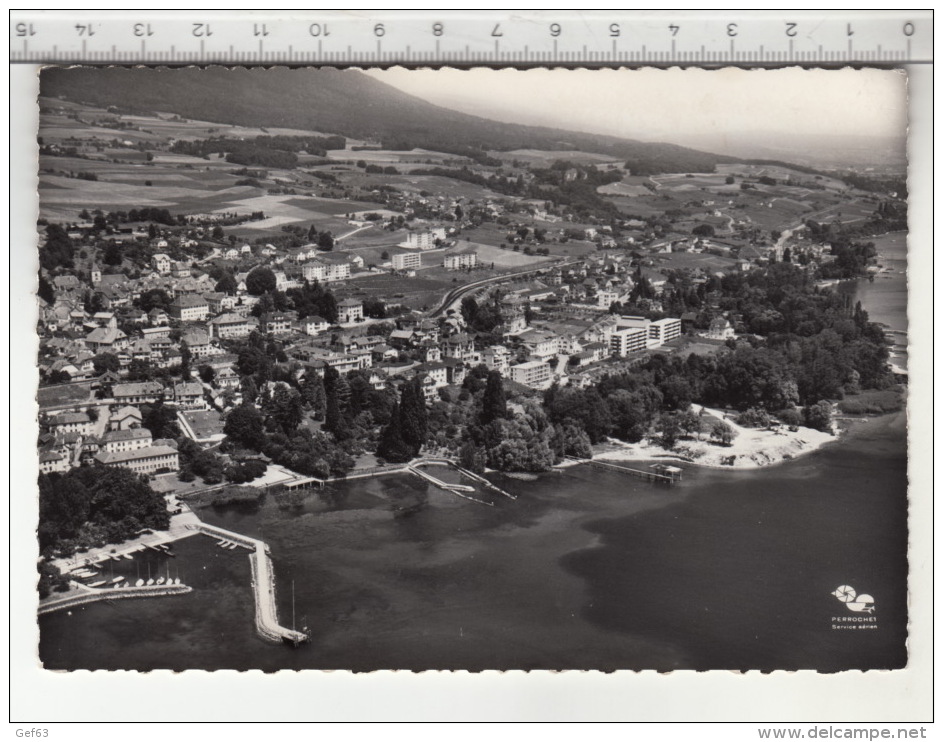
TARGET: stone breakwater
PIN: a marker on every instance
(94, 595)
(263, 586)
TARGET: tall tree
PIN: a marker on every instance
(493, 402)
(392, 445)
(46, 291)
(312, 392)
(284, 410)
(412, 408)
(186, 356)
(335, 421)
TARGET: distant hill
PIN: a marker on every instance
(344, 102)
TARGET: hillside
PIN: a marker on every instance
(345, 102)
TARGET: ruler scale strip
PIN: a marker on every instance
(600, 38)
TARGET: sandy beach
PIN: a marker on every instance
(751, 448)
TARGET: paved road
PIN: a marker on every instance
(457, 294)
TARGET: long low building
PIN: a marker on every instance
(148, 460)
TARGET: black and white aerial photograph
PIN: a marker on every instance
(362, 370)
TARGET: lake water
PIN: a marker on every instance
(587, 569)
(886, 297)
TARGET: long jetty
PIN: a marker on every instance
(263, 586)
(649, 476)
(470, 474)
(94, 595)
(455, 489)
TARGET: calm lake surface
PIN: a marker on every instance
(886, 297)
(587, 569)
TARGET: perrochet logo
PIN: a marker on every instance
(858, 603)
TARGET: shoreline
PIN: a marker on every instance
(751, 449)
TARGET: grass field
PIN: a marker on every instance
(501, 258)
(204, 423)
(414, 293)
(63, 394)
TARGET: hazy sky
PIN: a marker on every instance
(672, 105)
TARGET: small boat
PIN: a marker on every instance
(176, 580)
(128, 556)
(96, 584)
(150, 581)
(160, 580)
(232, 546)
(116, 580)
(139, 582)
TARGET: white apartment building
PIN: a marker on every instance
(424, 240)
(535, 374)
(407, 261)
(657, 333)
(628, 340)
(461, 260)
(662, 331)
(324, 272)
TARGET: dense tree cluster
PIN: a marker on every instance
(58, 250)
(312, 299)
(261, 280)
(95, 505)
(265, 151)
(406, 432)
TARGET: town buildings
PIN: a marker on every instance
(189, 308)
(406, 261)
(146, 460)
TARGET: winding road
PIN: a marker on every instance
(458, 293)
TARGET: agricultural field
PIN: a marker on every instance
(395, 157)
(415, 293)
(688, 260)
(623, 189)
(545, 158)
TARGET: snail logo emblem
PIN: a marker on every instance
(858, 603)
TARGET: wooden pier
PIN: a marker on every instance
(663, 474)
(471, 475)
(455, 489)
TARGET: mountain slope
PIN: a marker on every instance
(340, 101)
